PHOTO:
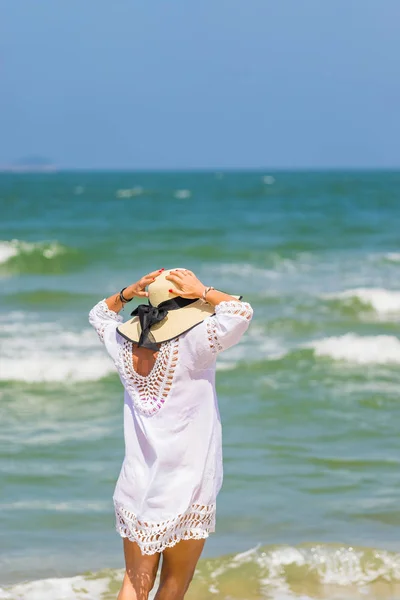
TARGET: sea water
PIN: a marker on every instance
(309, 399)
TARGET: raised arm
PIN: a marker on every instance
(218, 332)
(188, 285)
(116, 303)
(104, 315)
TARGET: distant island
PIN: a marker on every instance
(30, 164)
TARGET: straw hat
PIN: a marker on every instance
(165, 316)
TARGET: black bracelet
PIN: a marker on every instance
(122, 297)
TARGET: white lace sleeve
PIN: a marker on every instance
(218, 332)
(105, 322)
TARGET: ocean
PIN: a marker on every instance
(309, 399)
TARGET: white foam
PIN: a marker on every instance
(7, 250)
(43, 351)
(393, 256)
(246, 556)
(268, 179)
(62, 588)
(379, 349)
(343, 566)
(44, 367)
(182, 194)
(71, 506)
(242, 270)
(226, 366)
(11, 248)
(55, 429)
(383, 301)
(340, 571)
(273, 349)
(330, 565)
(130, 192)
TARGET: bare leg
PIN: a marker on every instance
(140, 574)
(178, 566)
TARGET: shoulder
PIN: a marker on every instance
(235, 308)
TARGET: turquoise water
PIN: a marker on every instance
(309, 400)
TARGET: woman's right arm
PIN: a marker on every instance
(218, 332)
(191, 287)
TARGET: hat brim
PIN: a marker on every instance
(175, 323)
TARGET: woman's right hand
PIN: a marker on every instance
(191, 287)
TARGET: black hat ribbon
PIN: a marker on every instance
(151, 315)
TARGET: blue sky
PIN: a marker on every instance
(208, 84)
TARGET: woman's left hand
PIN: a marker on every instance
(189, 285)
(139, 288)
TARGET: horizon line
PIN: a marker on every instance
(5, 169)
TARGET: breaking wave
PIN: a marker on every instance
(353, 348)
(45, 351)
(324, 571)
(384, 302)
(19, 257)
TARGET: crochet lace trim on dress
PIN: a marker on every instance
(194, 524)
(150, 392)
(213, 341)
(242, 310)
(234, 307)
(100, 316)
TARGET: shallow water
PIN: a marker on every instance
(309, 399)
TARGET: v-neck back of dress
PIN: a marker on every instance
(149, 392)
(152, 368)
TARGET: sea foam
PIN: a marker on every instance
(12, 248)
(393, 256)
(44, 351)
(242, 270)
(324, 570)
(58, 588)
(44, 367)
(78, 506)
(130, 192)
(7, 250)
(182, 194)
(379, 349)
(381, 300)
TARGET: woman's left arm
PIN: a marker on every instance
(138, 289)
(104, 315)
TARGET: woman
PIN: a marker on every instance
(165, 496)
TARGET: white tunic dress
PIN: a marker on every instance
(172, 470)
